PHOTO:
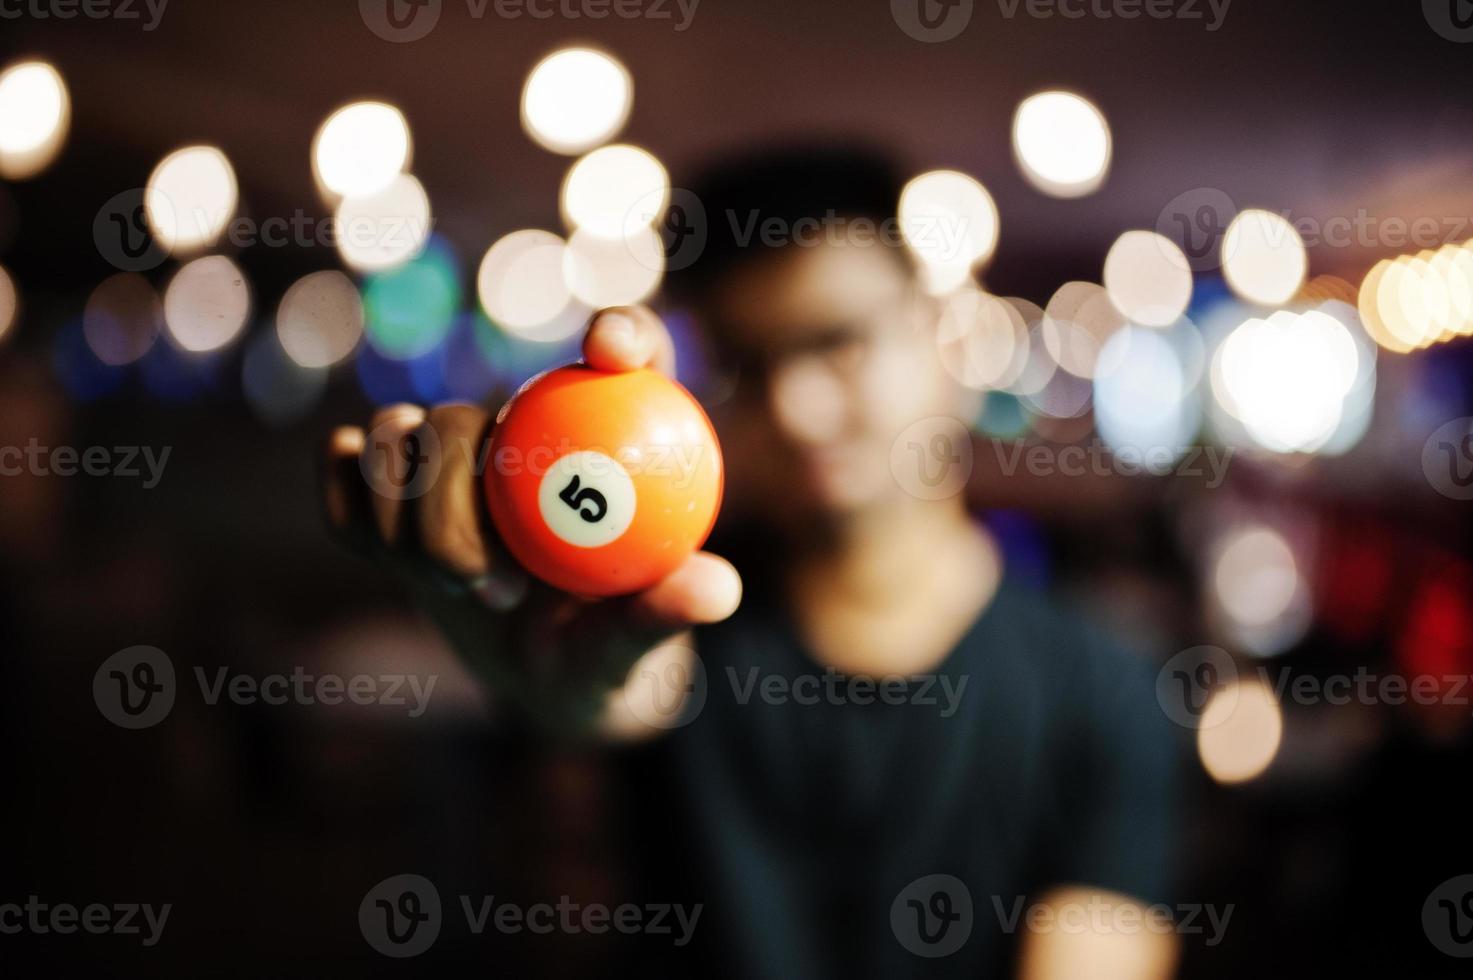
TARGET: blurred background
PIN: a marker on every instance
(1241, 234)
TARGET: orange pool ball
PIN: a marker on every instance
(601, 483)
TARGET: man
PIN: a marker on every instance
(1001, 807)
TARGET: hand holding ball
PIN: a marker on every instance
(601, 483)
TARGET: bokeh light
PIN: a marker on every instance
(408, 310)
(9, 304)
(523, 288)
(386, 228)
(1079, 319)
(360, 149)
(1146, 401)
(1254, 578)
(607, 272)
(1242, 728)
(982, 340)
(1263, 257)
(320, 319)
(1062, 143)
(1286, 378)
(278, 388)
(950, 224)
(35, 112)
(122, 319)
(614, 191)
(207, 303)
(1148, 278)
(576, 99)
(190, 198)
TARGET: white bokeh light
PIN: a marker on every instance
(385, 229)
(950, 224)
(612, 190)
(1148, 278)
(523, 288)
(191, 196)
(360, 149)
(1062, 143)
(576, 99)
(319, 320)
(35, 111)
(1263, 257)
(207, 303)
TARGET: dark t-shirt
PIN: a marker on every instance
(797, 805)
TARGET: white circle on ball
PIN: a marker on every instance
(587, 499)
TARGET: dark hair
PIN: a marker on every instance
(788, 183)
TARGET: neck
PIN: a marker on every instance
(890, 551)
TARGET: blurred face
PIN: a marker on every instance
(833, 352)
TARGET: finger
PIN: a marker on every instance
(344, 493)
(705, 589)
(391, 462)
(452, 526)
(626, 338)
